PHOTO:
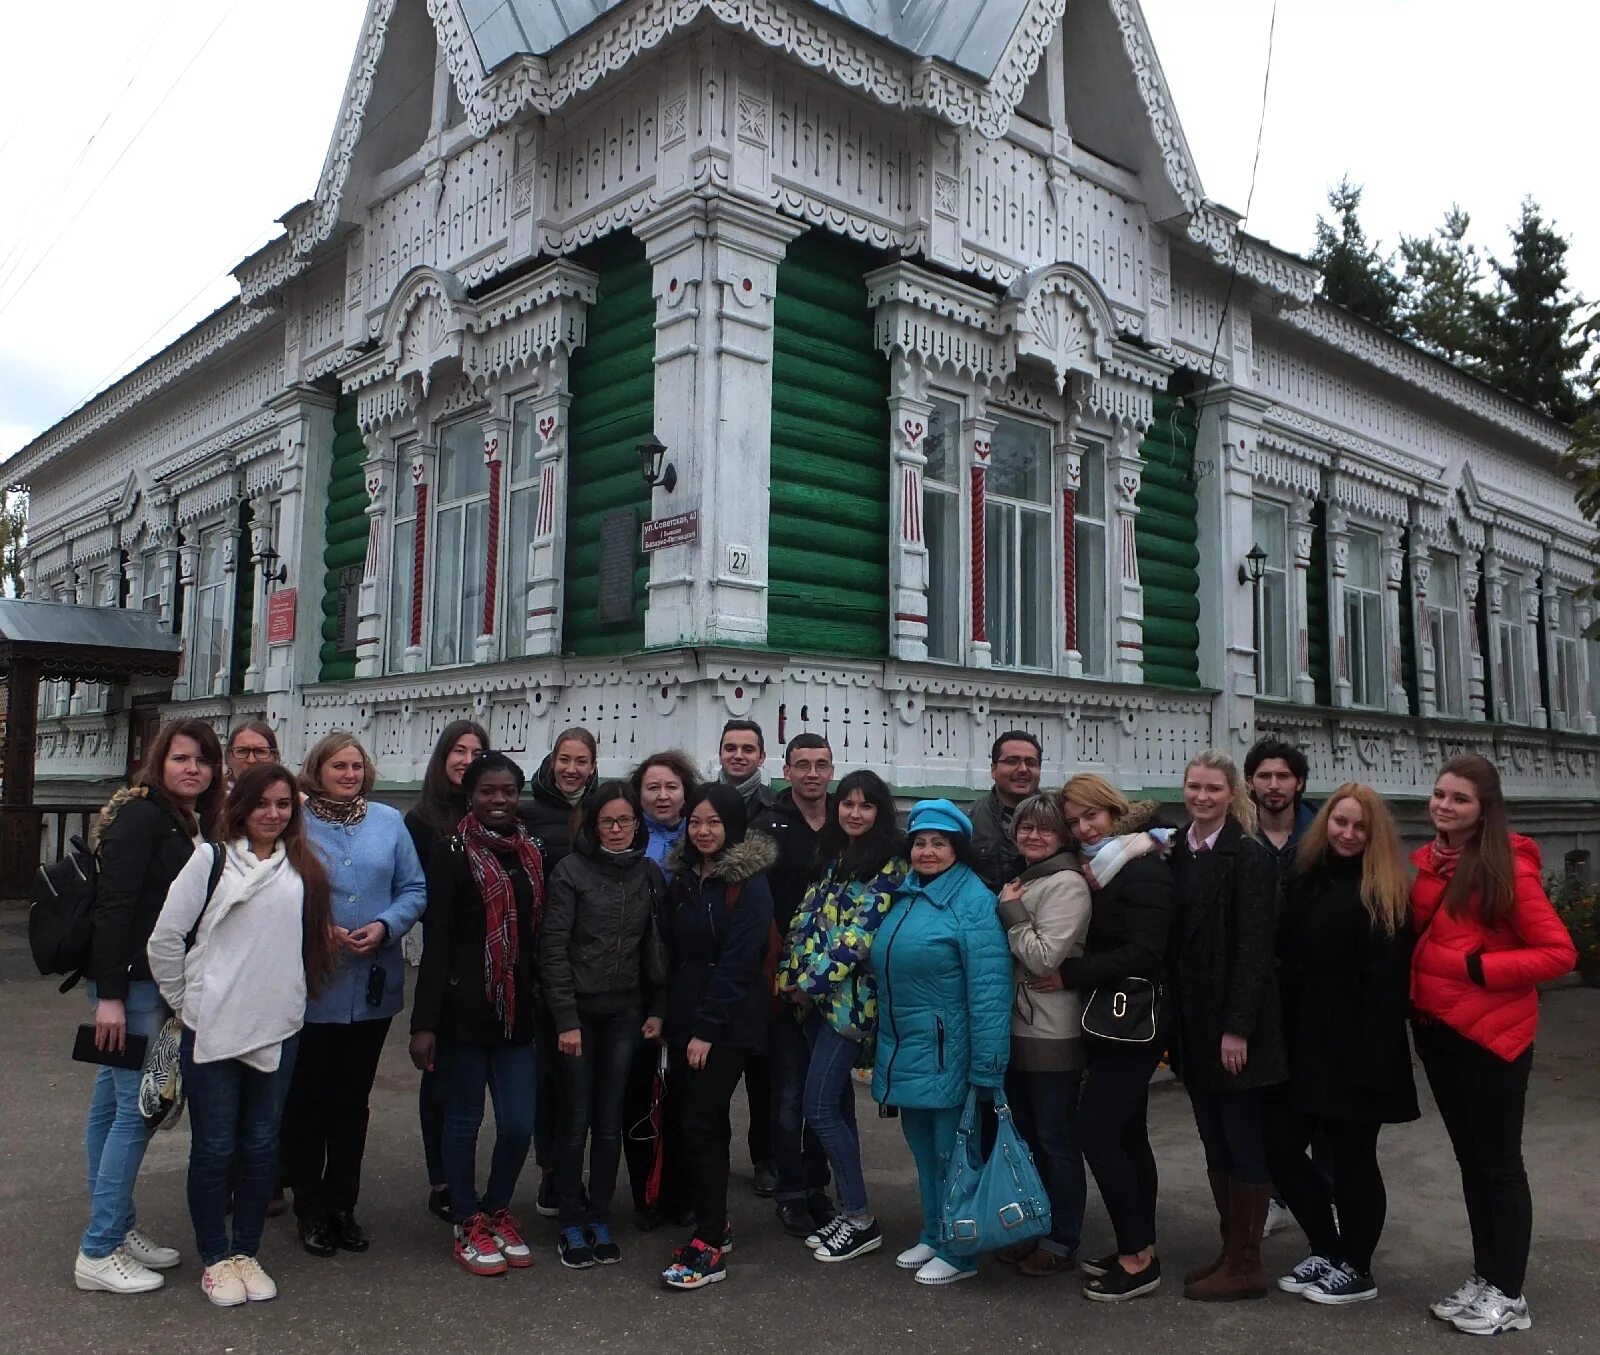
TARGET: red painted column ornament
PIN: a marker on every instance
(981, 448)
(419, 550)
(492, 443)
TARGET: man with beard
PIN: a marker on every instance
(1014, 762)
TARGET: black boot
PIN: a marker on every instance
(347, 1233)
(316, 1236)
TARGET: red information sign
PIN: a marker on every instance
(680, 530)
(280, 616)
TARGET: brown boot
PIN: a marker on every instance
(1219, 1193)
(1241, 1275)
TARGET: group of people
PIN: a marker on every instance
(607, 960)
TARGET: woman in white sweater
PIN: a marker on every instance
(236, 964)
(1045, 912)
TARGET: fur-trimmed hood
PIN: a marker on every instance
(113, 807)
(736, 864)
(1140, 817)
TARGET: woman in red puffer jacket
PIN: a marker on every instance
(1486, 937)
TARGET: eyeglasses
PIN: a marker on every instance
(1031, 763)
(1035, 830)
(245, 753)
(624, 821)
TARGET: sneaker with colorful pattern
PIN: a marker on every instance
(695, 1266)
(508, 1235)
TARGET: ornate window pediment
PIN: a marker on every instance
(1059, 318)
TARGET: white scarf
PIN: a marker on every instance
(1110, 857)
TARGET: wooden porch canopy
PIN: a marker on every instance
(60, 641)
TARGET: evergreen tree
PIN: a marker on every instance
(1444, 307)
(1528, 347)
(13, 538)
(1354, 274)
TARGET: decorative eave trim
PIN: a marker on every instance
(815, 38)
(221, 331)
(1407, 363)
(1176, 157)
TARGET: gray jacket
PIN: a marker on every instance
(600, 948)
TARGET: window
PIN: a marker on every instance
(1270, 528)
(1092, 606)
(460, 544)
(941, 529)
(1566, 697)
(1363, 619)
(206, 648)
(1445, 633)
(151, 584)
(1511, 663)
(1018, 574)
(523, 517)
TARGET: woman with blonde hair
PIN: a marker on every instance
(1343, 963)
(1121, 854)
(377, 896)
(1230, 1028)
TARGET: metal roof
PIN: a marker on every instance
(85, 642)
(969, 34)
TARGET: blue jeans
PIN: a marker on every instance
(829, 1106)
(234, 1114)
(1232, 1129)
(116, 1136)
(1045, 1107)
(931, 1136)
(509, 1072)
(797, 1154)
(593, 1084)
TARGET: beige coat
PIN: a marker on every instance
(1045, 926)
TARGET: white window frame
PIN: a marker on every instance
(459, 602)
(1447, 621)
(1566, 697)
(1366, 657)
(521, 517)
(1091, 523)
(212, 614)
(941, 497)
(1274, 660)
(1014, 630)
(1512, 679)
(402, 550)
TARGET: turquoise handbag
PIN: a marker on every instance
(993, 1204)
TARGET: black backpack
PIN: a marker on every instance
(60, 915)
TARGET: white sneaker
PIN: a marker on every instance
(258, 1285)
(1278, 1218)
(1492, 1313)
(940, 1271)
(118, 1273)
(1446, 1308)
(148, 1253)
(914, 1258)
(222, 1285)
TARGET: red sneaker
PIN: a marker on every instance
(476, 1247)
(507, 1232)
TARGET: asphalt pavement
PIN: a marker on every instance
(408, 1295)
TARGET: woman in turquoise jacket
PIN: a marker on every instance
(944, 1019)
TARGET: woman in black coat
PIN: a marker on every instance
(431, 822)
(144, 837)
(719, 930)
(473, 1010)
(1344, 958)
(1230, 1028)
(1121, 854)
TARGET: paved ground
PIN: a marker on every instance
(407, 1295)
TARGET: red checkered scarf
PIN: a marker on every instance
(484, 850)
(1444, 859)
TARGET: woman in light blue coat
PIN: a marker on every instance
(378, 893)
(944, 1018)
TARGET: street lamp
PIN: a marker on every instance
(652, 452)
(270, 577)
(1254, 568)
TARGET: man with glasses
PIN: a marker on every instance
(1015, 762)
(250, 743)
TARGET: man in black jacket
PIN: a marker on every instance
(1015, 762)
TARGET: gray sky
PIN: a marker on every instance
(189, 126)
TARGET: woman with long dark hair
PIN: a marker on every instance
(825, 973)
(261, 942)
(431, 821)
(377, 897)
(603, 967)
(718, 917)
(1121, 852)
(144, 836)
(944, 987)
(1343, 964)
(1230, 1028)
(472, 1017)
(1486, 938)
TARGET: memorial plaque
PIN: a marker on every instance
(280, 616)
(619, 541)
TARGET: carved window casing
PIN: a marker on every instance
(1447, 631)
(213, 606)
(1361, 604)
(1510, 649)
(1020, 547)
(459, 542)
(522, 525)
(1274, 619)
(941, 530)
(1566, 660)
(1091, 599)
